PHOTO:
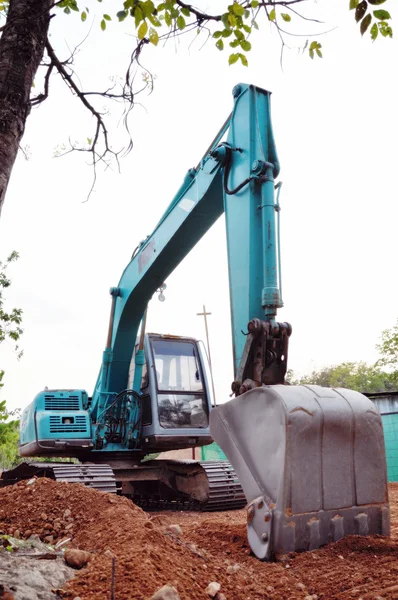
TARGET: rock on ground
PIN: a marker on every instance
(32, 578)
(167, 592)
(76, 558)
(213, 588)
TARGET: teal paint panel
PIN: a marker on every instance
(212, 452)
(390, 427)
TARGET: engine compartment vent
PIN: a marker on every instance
(79, 424)
(55, 403)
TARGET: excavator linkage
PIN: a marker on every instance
(311, 462)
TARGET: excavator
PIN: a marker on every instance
(307, 462)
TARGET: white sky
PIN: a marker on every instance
(335, 123)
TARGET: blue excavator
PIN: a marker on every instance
(308, 462)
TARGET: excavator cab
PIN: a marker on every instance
(176, 393)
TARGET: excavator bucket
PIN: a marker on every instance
(311, 462)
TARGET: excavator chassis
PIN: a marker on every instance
(153, 485)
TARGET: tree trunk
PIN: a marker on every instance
(22, 46)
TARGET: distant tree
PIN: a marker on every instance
(9, 428)
(10, 329)
(10, 322)
(388, 350)
(350, 375)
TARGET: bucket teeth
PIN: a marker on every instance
(311, 457)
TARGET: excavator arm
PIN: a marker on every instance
(236, 177)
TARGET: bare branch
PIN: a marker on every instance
(41, 97)
(100, 128)
(303, 17)
(306, 34)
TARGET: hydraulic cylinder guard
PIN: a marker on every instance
(311, 462)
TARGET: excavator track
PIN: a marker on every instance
(99, 477)
(225, 491)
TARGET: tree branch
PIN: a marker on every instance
(41, 97)
(202, 16)
(100, 124)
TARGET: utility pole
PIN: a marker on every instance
(205, 314)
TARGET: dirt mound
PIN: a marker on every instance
(56, 510)
(211, 548)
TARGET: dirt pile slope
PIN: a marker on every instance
(211, 548)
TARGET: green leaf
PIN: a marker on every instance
(246, 28)
(374, 31)
(107, 18)
(217, 34)
(254, 24)
(103, 24)
(238, 10)
(243, 60)
(385, 29)
(382, 15)
(376, 2)
(142, 30)
(245, 45)
(286, 17)
(186, 12)
(272, 15)
(225, 20)
(89, 141)
(167, 18)
(233, 58)
(234, 44)
(148, 8)
(220, 45)
(239, 34)
(226, 33)
(154, 20)
(353, 4)
(121, 15)
(365, 23)
(254, 3)
(138, 16)
(83, 16)
(315, 47)
(153, 36)
(361, 10)
(181, 22)
(67, 10)
(232, 20)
